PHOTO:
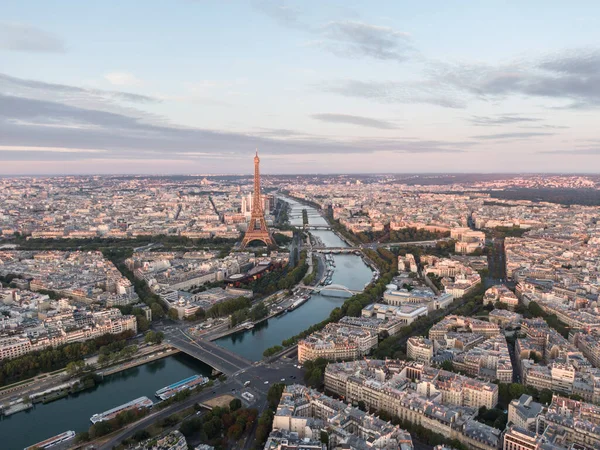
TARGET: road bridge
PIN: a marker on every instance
(374, 246)
(209, 353)
(317, 227)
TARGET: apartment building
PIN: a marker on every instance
(519, 438)
(523, 412)
(502, 294)
(308, 412)
(337, 342)
(419, 349)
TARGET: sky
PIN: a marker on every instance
(194, 87)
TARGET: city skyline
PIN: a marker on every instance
(195, 87)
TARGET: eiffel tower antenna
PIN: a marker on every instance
(257, 228)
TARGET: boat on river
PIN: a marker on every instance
(138, 403)
(51, 442)
(188, 383)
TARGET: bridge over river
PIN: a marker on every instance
(323, 290)
(217, 357)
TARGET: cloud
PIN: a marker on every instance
(345, 38)
(33, 88)
(27, 125)
(571, 76)
(354, 120)
(19, 148)
(283, 14)
(579, 151)
(516, 135)
(581, 62)
(357, 39)
(391, 92)
(26, 38)
(551, 127)
(122, 79)
(507, 119)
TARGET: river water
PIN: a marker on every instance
(350, 271)
(73, 412)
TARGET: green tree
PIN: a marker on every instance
(447, 365)
(140, 435)
(354, 309)
(158, 311)
(545, 396)
(274, 394)
(104, 359)
(142, 323)
(75, 367)
(173, 314)
(154, 337)
(191, 426)
(84, 436)
(235, 404)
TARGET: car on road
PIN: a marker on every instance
(283, 379)
(266, 382)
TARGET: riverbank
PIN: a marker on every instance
(350, 271)
(164, 352)
(57, 385)
(74, 411)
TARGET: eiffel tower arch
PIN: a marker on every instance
(257, 228)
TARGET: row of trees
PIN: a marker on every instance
(310, 279)
(47, 360)
(154, 337)
(257, 312)
(228, 307)
(265, 421)
(510, 391)
(281, 239)
(536, 311)
(107, 356)
(221, 426)
(117, 256)
(101, 243)
(395, 346)
(283, 278)
(408, 234)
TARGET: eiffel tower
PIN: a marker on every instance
(257, 228)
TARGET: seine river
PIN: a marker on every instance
(73, 412)
(350, 271)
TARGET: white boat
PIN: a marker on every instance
(188, 383)
(59, 438)
(138, 403)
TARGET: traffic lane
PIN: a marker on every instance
(213, 349)
(269, 374)
(207, 355)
